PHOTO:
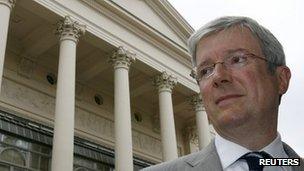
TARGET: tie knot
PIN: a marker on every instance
(252, 159)
(257, 154)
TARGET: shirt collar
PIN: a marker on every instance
(275, 148)
(229, 151)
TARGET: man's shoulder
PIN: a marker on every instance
(292, 154)
(188, 162)
(176, 164)
(289, 151)
(169, 165)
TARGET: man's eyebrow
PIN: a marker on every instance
(208, 61)
(230, 51)
(227, 52)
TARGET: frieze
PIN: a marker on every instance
(147, 143)
(43, 104)
(94, 124)
(104, 128)
(27, 98)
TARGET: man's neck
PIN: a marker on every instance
(253, 139)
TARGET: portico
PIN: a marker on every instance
(99, 78)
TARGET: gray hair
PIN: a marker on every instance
(271, 47)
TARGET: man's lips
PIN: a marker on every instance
(222, 98)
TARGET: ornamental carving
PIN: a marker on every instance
(165, 82)
(26, 67)
(122, 58)
(69, 29)
(197, 102)
(8, 3)
(191, 134)
(193, 73)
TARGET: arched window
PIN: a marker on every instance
(12, 155)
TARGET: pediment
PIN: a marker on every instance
(160, 16)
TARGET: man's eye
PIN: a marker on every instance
(206, 71)
(238, 59)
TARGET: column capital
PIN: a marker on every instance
(165, 82)
(197, 102)
(122, 58)
(8, 3)
(69, 29)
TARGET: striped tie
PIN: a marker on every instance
(252, 159)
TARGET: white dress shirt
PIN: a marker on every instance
(229, 153)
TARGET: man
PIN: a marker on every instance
(242, 75)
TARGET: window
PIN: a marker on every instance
(12, 155)
(17, 154)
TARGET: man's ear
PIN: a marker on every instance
(283, 74)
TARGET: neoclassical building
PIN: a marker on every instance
(91, 85)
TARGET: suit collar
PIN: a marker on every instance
(206, 158)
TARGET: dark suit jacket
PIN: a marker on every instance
(208, 159)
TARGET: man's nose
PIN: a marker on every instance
(221, 75)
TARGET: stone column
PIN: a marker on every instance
(5, 11)
(201, 121)
(69, 32)
(165, 84)
(121, 61)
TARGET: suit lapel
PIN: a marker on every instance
(206, 159)
(292, 154)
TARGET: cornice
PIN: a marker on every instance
(141, 28)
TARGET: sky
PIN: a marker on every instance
(285, 19)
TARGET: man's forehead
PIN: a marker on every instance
(242, 32)
(227, 41)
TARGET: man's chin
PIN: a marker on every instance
(232, 120)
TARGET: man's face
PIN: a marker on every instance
(246, 95)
